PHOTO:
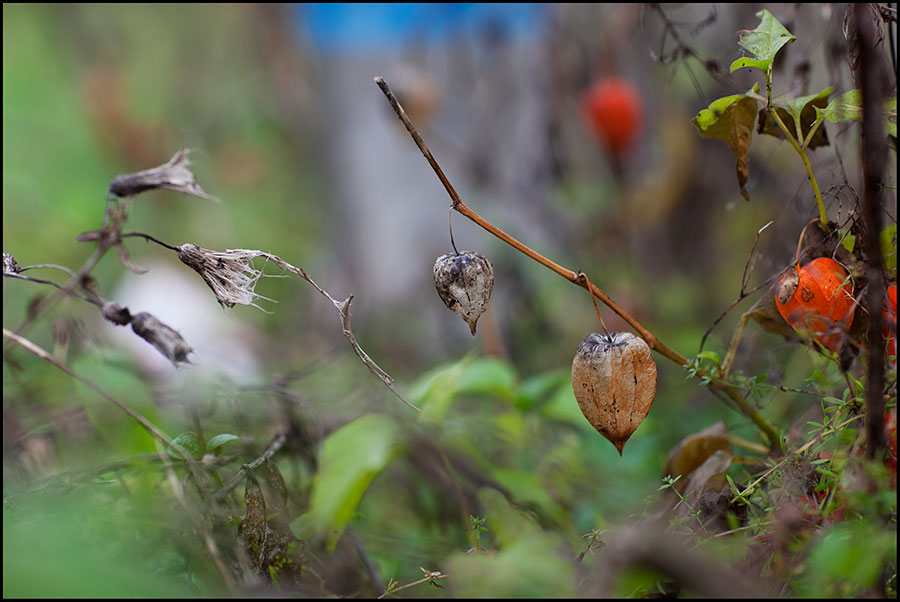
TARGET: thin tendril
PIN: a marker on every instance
(582, 275)
(450, 224)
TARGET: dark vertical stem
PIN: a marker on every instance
(871, 84)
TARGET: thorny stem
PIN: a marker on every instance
(729, 391)
(801, 150)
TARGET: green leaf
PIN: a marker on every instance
(848, 241)
(764, 42)
(709, 355)
(848, 106)
(890, 116)
(531, 567)
(488, 375)
(746, 61)
(434, 390)
(537, 388)
(854, 552)
(220, 440)
(526, 488)
(350, 458)
(190, 443)
(731, 120)
(845, 107)
(806, 109)
(888, 240)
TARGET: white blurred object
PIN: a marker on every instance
(222, 343)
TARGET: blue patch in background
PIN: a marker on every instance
(356, 28)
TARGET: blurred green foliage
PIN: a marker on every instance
(500, 440)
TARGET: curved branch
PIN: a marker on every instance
(575, 278)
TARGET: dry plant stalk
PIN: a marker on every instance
(233, 279)
(172, 175)
(720, 388)
(230, 274)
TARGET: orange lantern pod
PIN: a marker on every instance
(817, 299)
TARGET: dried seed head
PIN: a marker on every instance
(464, 282)
(116, 314)
(614, 379)
(165, 338)
(174, 175)
(9, 264)
(230, 275)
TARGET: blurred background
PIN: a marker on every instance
(289, 130)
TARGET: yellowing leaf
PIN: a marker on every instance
(731, 120)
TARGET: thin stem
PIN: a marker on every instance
(246, 469)
(51, 266)
(745, 406)
(823, 216)
(45, 303)
(450, 225)
(148, 426)
(150, 238)
(583, 276)
(57, 285)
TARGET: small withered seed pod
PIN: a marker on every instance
(614, 379)
(464, 282)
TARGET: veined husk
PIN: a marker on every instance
(464, 282)
(614, 379)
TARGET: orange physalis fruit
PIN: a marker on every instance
(817, 299)
(615, 111)
(889, 317)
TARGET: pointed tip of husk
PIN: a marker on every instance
(620, 445)
(472, 326)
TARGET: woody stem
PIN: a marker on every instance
(577, 278)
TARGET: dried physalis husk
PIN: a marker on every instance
(614, 379)
(464, 282)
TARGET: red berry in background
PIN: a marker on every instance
(615, 111)
(889, 315)
(890, 438)
(817, 299)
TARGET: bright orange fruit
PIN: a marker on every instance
(615, 111)
(821, 303)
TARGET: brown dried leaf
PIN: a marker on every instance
(692, 451)
(274, 553)
(731, 122)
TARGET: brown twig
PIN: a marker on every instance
(343, 308)
(745, 407)
(277, 443)
(748, 269)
